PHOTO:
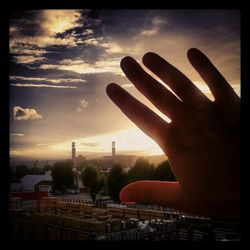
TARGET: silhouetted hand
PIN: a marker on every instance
(201, 141)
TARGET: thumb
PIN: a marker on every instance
(162, 193)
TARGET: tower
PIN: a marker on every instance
(74, 154)
(113, 149)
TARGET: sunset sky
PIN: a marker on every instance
(62, 61)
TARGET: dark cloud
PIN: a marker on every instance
(94, 14)
(26, 22)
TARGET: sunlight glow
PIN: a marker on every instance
(131, 139)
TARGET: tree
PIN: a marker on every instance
(142, 170)
(36, 171)
(11, 174)
(92, 180)
(62, 175)
(163, 172)
(47, 168)
(20, 172)
(117, 179)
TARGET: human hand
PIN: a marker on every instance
(201, 141)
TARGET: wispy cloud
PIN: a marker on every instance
(29, 59)
(31, 85)
(25, 114)
(83, 105)
(41, 41)
(17, 134)
(80, 66)
(111, 47)
(154, 28)
(58, 80)
(89, 144)
(149, 32)
(26, 49)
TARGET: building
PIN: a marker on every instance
(74, 154)
(113, 148)
(44, 186)
(79, 160)
(16, 186)
(125, 160)
(30, 181)
(76, 161)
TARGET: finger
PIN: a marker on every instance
(155, 192)
(171, 194)
(142, 116)
(162, 98)
(178, 82)
(220, 88)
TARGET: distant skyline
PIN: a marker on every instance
(62, 61)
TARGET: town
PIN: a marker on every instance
(42, 208)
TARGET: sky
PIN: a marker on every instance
(62, 60)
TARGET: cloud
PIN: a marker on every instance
(91, 41)
(156, 21)
(90, 144)
(156, 24)
(87, 32)
(149, 32)
(30, 85)
(28, 59)
(16, 134)
(58, 80)
(79, 66)
(41, 41)
(83, 105)
(112, 47)
(44, 29)
(59, 21)
(26, 49)
(25, 114)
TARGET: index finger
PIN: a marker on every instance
(152, 124)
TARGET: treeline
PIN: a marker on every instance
(95, 182)
(19, 171)
(112, 183)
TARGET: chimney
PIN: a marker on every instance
(113, 149)
(74, 154)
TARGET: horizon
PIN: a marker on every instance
(97, 155)
(62, 61)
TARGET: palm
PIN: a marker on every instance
(201, 142)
